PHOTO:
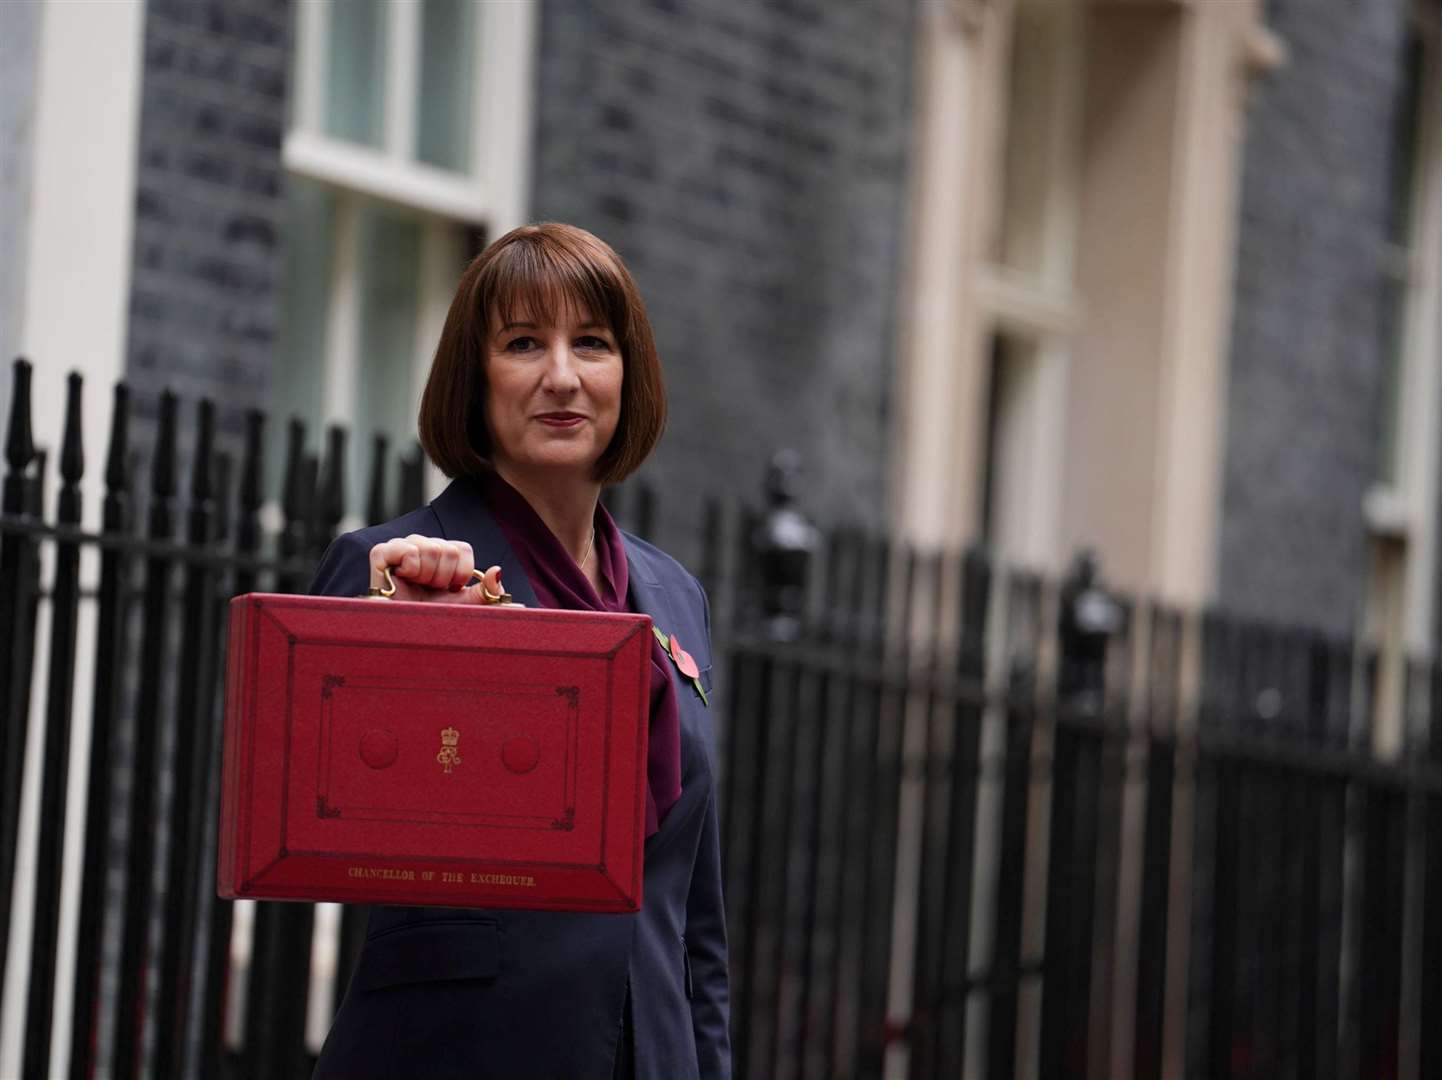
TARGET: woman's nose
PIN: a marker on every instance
(562, 375)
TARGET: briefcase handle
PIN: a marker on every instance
(388, 590)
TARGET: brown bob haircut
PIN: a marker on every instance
(535, 272)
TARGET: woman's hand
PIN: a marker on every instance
(429, 568)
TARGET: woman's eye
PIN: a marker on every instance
(593, 342)
(521, 344)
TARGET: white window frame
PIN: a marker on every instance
(492, 194)
(1402, 510)
(1039, 307)
(1401, 514)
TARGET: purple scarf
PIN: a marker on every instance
(559, 583)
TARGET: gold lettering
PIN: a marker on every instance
(523, 880)
(388, 873)
(385, 873)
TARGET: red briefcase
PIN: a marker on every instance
(409, 753)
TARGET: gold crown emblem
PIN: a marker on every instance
(450, 736)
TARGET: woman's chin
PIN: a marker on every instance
(558, 460)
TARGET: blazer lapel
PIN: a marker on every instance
(464, 515)
(650, 597)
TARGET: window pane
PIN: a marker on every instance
(447, 66)
(1033, 121)
(390, 271)
(299, 373)
(356, 72)
(1015, 413)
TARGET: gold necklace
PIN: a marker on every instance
(589, 543)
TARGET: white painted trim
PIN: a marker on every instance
(502, 108)
(82, 207)
(1201, 255)
(1420, 423)
(1019, 302)
(928, 384)
(1386, 513)
(343, 313)
(312, 31)
(403, 60)
(408, 184)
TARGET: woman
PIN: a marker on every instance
(546, 386)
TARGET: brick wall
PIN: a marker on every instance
(747, 160)
(204, 306)
(1307, 345)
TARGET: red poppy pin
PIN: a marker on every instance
(684, 662)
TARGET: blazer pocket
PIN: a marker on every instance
(430, 952)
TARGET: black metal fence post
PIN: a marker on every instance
(135, 958)
(935, 775)
(193, 727)
(251, 497)
(39, 1008)
(109, 663)
(277, 994)
(1024, 620)
(1430, 1050)
(951, 944)
(15, 647)
(1296, 863)
(885, 723)
(1154, 899)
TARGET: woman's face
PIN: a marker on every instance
(554, 391)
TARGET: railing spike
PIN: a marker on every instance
(72, 454)
(308, 521)
(293, 499)
(117, 460)
(162, 470)
(331, 496)
(19, 442)
(200, 478)
(252, 470)
(412, 479)
(376, 500)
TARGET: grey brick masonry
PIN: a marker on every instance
(1308, 340)
(748, 161)
(204, 307)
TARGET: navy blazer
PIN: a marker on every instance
(454, 992)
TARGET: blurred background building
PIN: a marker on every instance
(1158, 278)
(1151, 276)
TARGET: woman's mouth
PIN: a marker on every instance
(560, 419)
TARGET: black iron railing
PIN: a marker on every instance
(971, 818)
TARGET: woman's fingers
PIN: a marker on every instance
(465, 564)
(488, 586)
(428, 554)
(444, 571)
(392, 553)
(422, 565)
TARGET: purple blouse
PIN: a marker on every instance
(559, 583)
